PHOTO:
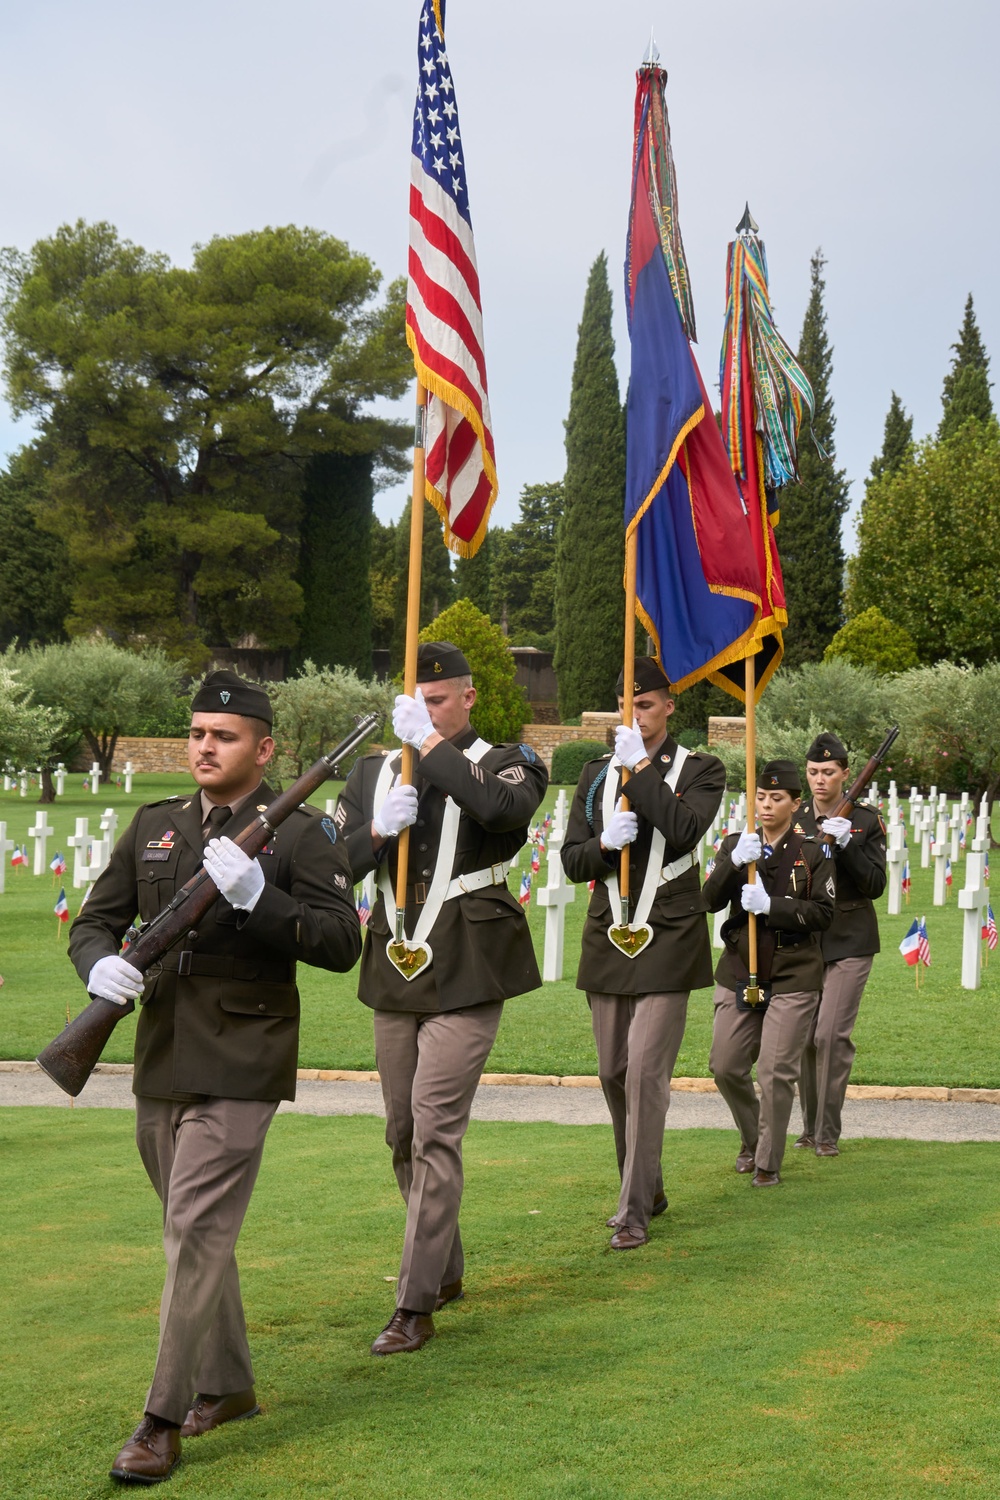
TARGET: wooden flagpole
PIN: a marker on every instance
(412, 631)
(750, 685)
(628, 687)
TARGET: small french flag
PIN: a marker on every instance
(61, 907)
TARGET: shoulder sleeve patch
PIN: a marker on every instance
(528, 753)
(328, 828)
(513, 774)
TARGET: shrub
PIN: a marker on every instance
(872, 640)
(569, 759)
(316, 709)
(500, 710)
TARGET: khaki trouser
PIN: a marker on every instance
(430, 1066)
(829, 1052)
(638, 1038)
(774, 1039)
(203, 1160)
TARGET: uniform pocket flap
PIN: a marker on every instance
(259, 999)
(490, 905)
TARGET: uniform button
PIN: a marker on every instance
(420, 822)
(262, 1007)
(426, 874)
(422, 848)
(192, 935)
(499, 910)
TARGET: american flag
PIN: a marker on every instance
(444, 316)
(990, 929)
(364, 907)
(58, 865)
(923, 944)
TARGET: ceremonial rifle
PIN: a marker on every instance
(70, 1059)
(845, 806)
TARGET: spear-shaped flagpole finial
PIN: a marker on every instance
(652, 52)
(748, 224)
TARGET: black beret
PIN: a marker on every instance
(223, 692)
(437, 660)
(648, 676)
(780, 775)
(826, 747)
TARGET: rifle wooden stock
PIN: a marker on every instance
(845, 806)
(72, 1056)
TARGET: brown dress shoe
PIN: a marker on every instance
(211, 1411)
(151, 1454)
(659, 1207)
(629, 1237)
(745, 1162)
(450, 1293)
(805, 1143)
(766, 1179)
(405, 1333)
(827, 1148)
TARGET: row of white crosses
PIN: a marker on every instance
(19, 779)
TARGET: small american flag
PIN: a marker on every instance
(444, 315)
(923, 944)
(990, 929)
(364, 908)
(58, 865)
(525, 895)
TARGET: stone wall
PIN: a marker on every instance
(149, 755)
(544, 738)
(726, 731)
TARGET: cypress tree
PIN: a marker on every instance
(809, 540)
(335, 562)
(473, 575)
(590, 553)
(896, 442)
(437, 585)
(966, 391)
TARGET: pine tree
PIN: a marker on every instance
(809, 540)
(966, 391)
(524, 571)
(896, 442)
(335, 562)
(473, 575)
(590, 552)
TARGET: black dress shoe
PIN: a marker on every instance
(209, 1412)
(450, 1293)
(405, 1333)
(151, 1454)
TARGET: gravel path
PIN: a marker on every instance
(900, 1119)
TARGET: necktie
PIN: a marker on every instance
(217, 819)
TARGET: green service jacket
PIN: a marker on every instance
(861, 878)
(482, 949)
(799, 913)
(680, 955)
(228, 1027)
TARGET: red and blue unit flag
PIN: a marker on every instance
(444, 315)
(697, 586)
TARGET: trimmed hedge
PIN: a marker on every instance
(569, 759)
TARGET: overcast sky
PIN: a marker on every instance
(868, 129)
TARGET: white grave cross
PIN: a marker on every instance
(78, 843)
(896, 856)
(940, 857)
(60, 780)
(109, 826)
(129, 773)
(41, 832)
(555, 895)
(971, 899)
(97, 860)
(95, 778)
(6, 846)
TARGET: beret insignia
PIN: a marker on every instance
(225, 696)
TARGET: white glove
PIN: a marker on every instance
(239, 879)
(756, 899)
(410, 719)
(629, 747)
(839, 830)
(114, 978)
(746, 850)
(621, 830)
(398, 810)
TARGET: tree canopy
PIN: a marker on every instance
(871, 640)
(896, 442)
(966, 391)
(590, 556)
(176, 408)
(809, 540)
(929, 547)
(499, 711)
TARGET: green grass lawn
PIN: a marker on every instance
(835, 1338)
(942, 1035)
